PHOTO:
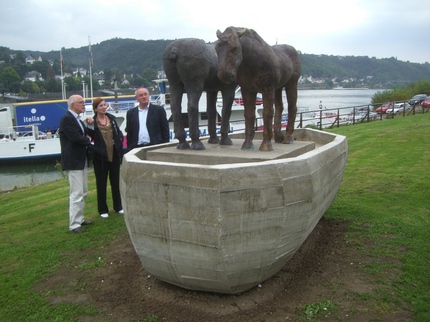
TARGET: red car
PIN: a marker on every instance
(426, 103)
(384, 107)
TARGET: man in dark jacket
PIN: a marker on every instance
(147, 123)
(74, 143)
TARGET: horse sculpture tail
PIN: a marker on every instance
(173, 55)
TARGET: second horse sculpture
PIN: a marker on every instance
(191, 66)
(243, 56)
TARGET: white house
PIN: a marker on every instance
(33, 76)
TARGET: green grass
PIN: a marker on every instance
(35, 241)
(384, 195)
(318, 310)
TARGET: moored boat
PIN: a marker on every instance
(237, 123)
(46, 116)
(27, 142)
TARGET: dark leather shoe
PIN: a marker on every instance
(86, 223)
(78, 230)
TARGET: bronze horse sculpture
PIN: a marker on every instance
(244, 57)
(191, 66)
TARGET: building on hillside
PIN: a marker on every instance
(33, 76)
(30, 60)
(80, 71)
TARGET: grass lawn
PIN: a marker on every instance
(384, 196)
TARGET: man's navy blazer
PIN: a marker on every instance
(73, 143)
(156, 123)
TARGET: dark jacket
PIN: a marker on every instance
(73, 142)
(98, 150)
(156, 123)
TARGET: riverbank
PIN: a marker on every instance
(15, 174)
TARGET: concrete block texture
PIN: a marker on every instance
(223, 219)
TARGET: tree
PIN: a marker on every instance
(42, 67)
(73, 83)
(30, 87)
(96, 84)
(9, 77)
(108, 76)
(137, 81)
(15, 87)
(18, 63)
(149, 75)
(50, 73)
(116, 73)
(53, 85)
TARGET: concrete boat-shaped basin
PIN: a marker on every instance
(222, 219)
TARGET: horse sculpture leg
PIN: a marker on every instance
(266, 145)
(211, 97)
(279, 108)
(175, 105)
(291, 90)
(193, 119)
(249, 113)
(227, 102)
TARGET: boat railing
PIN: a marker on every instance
(121, 106)
(160, 99)
(25, 132)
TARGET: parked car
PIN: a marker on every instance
(401, 104)
(384, 107)
(417, 99)
(360, 113)
(372, 115)
(397, 109)
(362, 116)
(360, 109)
(426, 103)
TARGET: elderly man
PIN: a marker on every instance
(74, 142)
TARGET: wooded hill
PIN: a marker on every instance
(132, 56)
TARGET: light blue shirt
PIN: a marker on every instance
(143, 130)
(78, 120)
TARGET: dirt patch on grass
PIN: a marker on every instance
(326, 273)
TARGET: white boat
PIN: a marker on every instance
(34, 145)
(237, 123)
(27, 142)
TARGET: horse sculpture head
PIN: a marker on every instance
(229, 52)
(257, 67)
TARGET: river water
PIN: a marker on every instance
(22, 174)
(28, 173)
(332, 99)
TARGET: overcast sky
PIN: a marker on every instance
(374, 28)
